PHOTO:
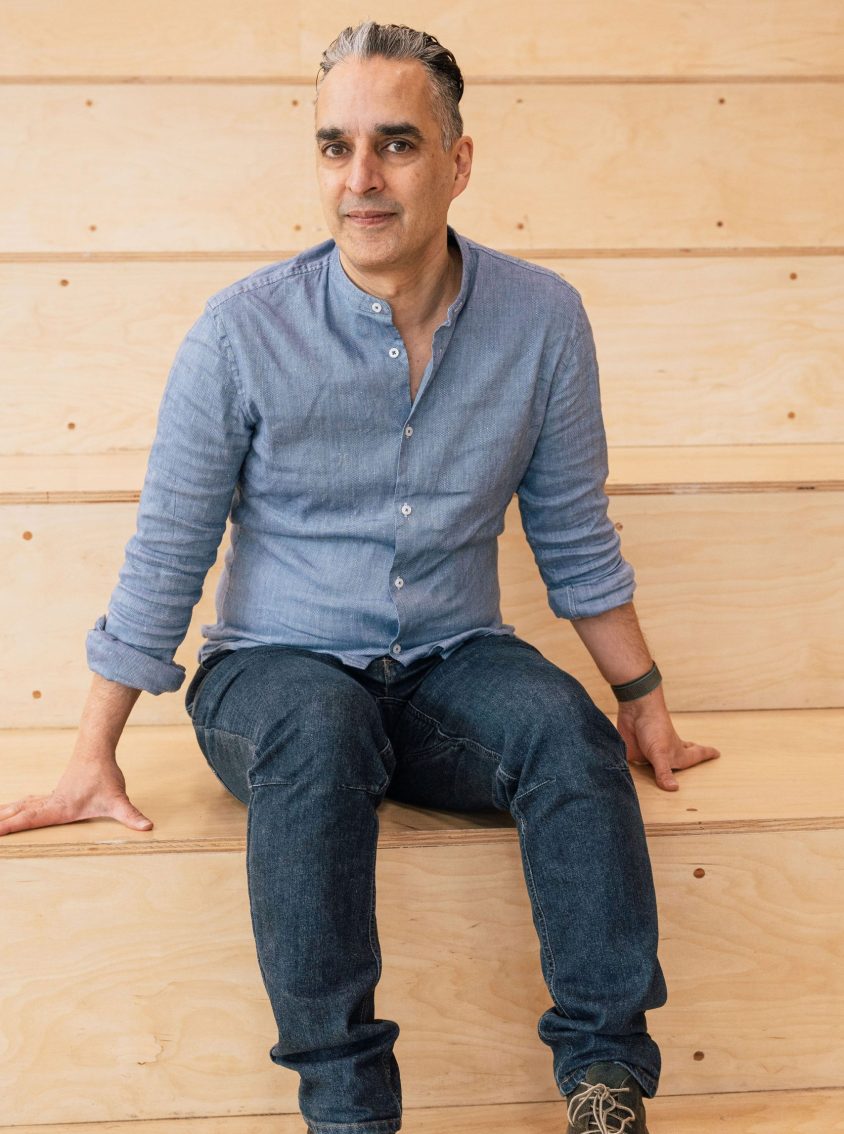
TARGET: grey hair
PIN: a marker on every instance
(396, 41)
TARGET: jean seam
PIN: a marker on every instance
(376, 791)
(223, 732)
(452, 737)
(546, 941)
(385, 1055)
(372, 905)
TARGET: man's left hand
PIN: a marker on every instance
(651, 738)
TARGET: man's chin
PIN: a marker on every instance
(368, 249)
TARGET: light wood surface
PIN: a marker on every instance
(102, 478)
(706, 351)
(154, 1005)
(778, 770)
(680, 164)
(711, 569)
(219, 166)
(773, 1112)
(493, 39)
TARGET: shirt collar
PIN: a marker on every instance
(361, 301)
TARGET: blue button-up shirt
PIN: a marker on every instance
(365, 523)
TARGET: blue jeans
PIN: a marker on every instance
(312, 746)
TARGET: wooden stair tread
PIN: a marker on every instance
(91, 477)
(777, 770)
(752, 1112)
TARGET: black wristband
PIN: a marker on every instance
(630, 690)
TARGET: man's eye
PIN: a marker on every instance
(405, 146)
(333, 149)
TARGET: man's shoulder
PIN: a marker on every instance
(504, 271)
(293, 272)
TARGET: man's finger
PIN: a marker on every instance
(127, 813)
(692, 753)
(661, 759)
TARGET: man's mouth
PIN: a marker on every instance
(366, 218)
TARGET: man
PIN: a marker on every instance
(366, 410)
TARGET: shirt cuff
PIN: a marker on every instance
(118, 661)
(584, 600)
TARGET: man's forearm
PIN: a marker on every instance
(615, 641)
(104, 716)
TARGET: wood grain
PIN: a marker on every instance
(210, 166)
(701, 351)
(751, 1112)
(566, 39)
(778, 770)
(711, 569)
(115, 478)
(154, 1007)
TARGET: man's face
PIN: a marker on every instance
(385, 181)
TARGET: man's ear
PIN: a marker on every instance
(463, 151)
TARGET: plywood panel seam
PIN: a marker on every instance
(269, 255)
(132, 496)
(412, 841)
(478, 80)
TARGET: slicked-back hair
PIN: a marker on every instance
(396, 41)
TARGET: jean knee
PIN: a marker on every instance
(565, 725)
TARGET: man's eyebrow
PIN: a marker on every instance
(394, 129)
(383, 129)
(329, 134)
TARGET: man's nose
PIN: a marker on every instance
(363, 173)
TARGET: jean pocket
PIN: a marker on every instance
(202, 672)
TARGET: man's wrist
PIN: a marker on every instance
(639, 686)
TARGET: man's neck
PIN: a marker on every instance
(419, 292)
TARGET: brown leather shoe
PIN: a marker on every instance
(607, 1100)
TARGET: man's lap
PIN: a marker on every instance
(458, 726)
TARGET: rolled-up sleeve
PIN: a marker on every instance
(202, 435)
(562, 500)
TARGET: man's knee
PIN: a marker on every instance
(562, 727)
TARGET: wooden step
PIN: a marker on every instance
(153, 1005)
(777, 771)
(774, 1112)
(663, 470)
(718, 537)
(672, 369)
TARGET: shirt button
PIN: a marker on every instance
(396, 648)
(408, 430)
(399, 581)
(394, 352)
(406, 509)
(376, 307)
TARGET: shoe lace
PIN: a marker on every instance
(599, 1103)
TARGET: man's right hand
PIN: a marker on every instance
(85, 791)
(92, 786)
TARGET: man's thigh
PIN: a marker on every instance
(499, 718)
(284, 715)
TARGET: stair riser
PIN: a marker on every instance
(132, 988)
(710, 567)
